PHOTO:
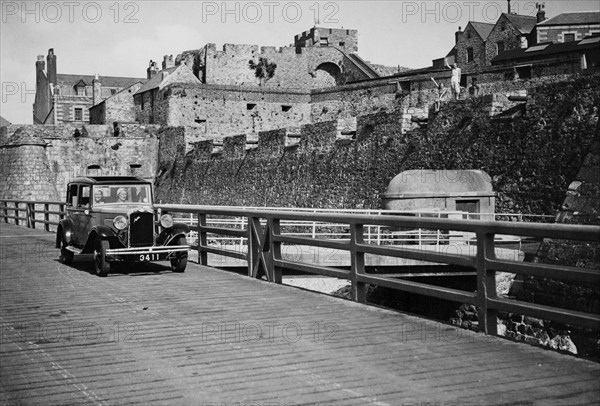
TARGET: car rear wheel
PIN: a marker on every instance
(66, 256)
(179, 263)
(100, 262)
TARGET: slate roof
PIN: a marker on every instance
(483, 29)
(578, 18)
(155, 81)
(547, 49)
(525, 24)
(105, 81)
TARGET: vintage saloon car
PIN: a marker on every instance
(113, 217)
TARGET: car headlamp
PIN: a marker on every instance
(166, 221)
(120, 222)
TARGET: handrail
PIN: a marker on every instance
(265, 239)
(50, 217)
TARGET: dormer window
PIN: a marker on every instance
(80, 88)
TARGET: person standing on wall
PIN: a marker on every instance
(455, 80)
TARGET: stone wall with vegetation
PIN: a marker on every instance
(531, 154)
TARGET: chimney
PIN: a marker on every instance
(168, 62)
(457, 35)
(40, 65)
(51, 60)
(96, 91)
(151, 71)
(541, 13)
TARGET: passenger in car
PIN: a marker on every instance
(122, 195)
(98, 197)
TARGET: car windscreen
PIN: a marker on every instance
(121, 194)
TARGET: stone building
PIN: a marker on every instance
(118, 108)
(552, 58)
(511, 31)
(65, 98)
(215, 92)
(148, 101)
(471, 45)
(568, 27)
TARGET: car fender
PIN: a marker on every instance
(168, 235)
(64, 231)
(103, 232)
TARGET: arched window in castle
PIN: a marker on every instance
(94, 170)
(328, 74)
(135, 169)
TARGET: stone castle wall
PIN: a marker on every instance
(322, 170)
(295, 70)
(42, 171)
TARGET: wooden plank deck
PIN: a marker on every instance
(145, 335)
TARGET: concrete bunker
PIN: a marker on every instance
(463, 193)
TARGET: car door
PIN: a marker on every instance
(84, 223)
(73, 212)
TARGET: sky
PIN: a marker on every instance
(118, 38)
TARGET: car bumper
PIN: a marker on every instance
(145, 254)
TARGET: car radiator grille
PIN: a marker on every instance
(141, 229)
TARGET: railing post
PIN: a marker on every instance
(46, 217)
(5, 209)
(202, 240)
(30, 214)
(252, 251)
(17, 213)
(486, 284)
(357, 263)
(275, 250)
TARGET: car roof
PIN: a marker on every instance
(102, 180)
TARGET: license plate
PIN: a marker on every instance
(149, 257)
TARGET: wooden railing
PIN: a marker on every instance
(263, 231)
(265, 239)
(31, 213)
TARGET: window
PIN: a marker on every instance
(114, 91)
(503, 26)
(524, 72)
(470, 57)
(569, 37)
(72, 195)
(84, 196)
(94, 170)
(468, 206)
(499, 47)
(135, 169)
(468, 34)
(324, 41)
(250, 106)
(342, 43)
(78, 113)
(285, 108)
(80, 90)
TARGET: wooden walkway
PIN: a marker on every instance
(145, 335)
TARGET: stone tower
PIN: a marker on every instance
(24, 169)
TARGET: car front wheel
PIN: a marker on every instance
(66, 256)
(179, 262)
(100, 262)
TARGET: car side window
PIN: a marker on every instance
(72, 195)
(84, 196)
